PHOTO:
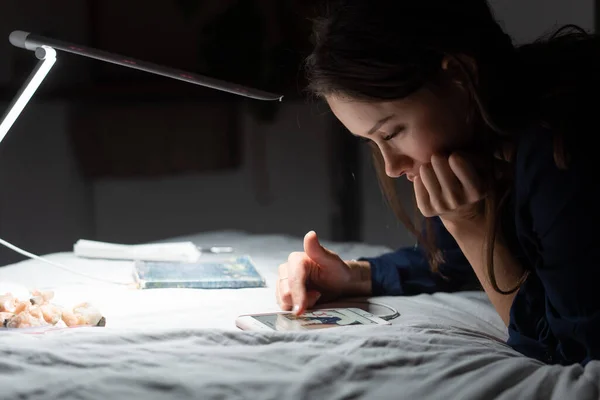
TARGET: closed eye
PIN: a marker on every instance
(394, 133)
(397, 130)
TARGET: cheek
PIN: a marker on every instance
(431, 137)
(419, 147)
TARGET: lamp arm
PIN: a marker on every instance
(47, 58)
(31, 42)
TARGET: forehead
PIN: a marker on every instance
(359, 109)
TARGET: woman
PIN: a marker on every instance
(495, 139)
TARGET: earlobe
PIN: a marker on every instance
(445, 63)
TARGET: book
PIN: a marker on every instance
(234, 272)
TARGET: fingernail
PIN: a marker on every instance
(296, 309)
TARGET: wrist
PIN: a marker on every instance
(360, 278)
(460, 227)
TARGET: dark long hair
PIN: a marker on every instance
(388, 49)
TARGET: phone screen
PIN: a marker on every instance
(317, 319)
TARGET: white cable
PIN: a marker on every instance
(55, 264)
(346, 303)
(394, 313)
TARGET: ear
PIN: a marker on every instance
(460, 67)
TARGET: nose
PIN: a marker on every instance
(396, 164)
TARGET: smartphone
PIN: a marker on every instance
(315, 319)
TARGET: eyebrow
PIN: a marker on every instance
(379, 124)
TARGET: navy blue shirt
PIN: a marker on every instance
(555, 316)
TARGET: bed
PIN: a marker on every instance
(178, 343)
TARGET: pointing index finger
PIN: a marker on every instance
(297, 282)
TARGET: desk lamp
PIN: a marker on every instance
(45, 50)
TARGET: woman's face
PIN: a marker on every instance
(408, 131)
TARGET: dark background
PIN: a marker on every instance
(109, 153)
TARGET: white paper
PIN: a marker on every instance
(175, 252)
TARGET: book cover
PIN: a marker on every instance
(209, 273)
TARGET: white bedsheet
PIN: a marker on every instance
(177, 343)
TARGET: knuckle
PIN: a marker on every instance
(284, 301)
(455, 200)
(285, 294)
(474, 197)
(452, 204)
(444, 207)
(436, 205)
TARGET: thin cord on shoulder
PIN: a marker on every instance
(57, 265)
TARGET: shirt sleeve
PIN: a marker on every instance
(407, 272)
(556, 314)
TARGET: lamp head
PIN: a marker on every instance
(19, 39)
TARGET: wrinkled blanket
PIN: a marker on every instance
(180, 344)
